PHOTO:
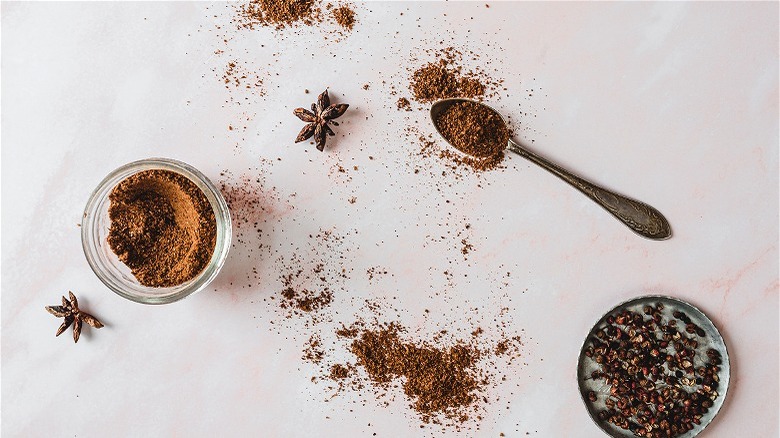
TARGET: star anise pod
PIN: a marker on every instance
(70, 311)
(318, 120)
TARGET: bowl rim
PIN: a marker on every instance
(171, 294)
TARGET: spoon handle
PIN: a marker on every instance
(640, 217)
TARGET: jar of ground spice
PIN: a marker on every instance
(156, 230)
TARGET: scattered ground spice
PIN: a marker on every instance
(445, 382)
(251, 202)
(455, 163)
(446, 78)
(501, 348)
(436, 81)
(467, 247)
(256, 210)
(278, 13)
(313, 351)
(475, 130)
(375, 271)
(237, 76)
(311, 278)
(304, 299)
(162, 227)
(404, 104)
(339, 371)
(347, 332)
(344, 16)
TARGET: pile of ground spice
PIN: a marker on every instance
(162, 227)
(437, 380)
(278, 13)
(474, 129)
(445, 78)
(345, 17)
(448, 376)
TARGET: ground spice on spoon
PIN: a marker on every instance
(162, 227)
(475, 130)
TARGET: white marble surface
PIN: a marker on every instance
(675, 104)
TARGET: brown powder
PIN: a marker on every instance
(313, 351)
(437, 380)
(345, 332)
(162, 227)
(304, 299)
(467, 247)
(456, 163)
(502, 348)
(278, 13)
(312, 277)
(446, 376)
(404, 104)
(445, 78)
(439, 80)
(338, 371)
(475, 130)
(345, 17)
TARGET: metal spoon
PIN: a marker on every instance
(640, 217)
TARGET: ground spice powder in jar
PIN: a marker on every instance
(162, 227)
(475, 130)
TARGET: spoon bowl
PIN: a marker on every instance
(641, 218)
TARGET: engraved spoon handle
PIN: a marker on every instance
(638, 216)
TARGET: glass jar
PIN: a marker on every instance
(115, 274)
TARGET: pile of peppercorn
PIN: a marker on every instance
(660, 382)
